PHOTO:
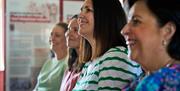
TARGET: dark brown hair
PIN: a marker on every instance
(109, 19)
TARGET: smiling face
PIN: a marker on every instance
(143, 35)
(72, 36)
(57, 38)
(86, 20)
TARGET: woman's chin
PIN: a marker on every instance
(132, 57)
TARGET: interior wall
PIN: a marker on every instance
(1, 48)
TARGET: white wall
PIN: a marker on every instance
(71, 8)
(1, 40)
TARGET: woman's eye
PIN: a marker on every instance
(75, 29)
(135, 22)
(58, 35)
(51, 34)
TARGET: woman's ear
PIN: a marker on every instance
(168, 31)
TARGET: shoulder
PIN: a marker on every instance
(164, 73)
(116, 51)
(172, 72)
(47, 62)
(165, 78)
(117, 59)
(117, 56)
(169, 74)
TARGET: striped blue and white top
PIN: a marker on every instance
(110, 72)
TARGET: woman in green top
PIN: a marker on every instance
(51, 73)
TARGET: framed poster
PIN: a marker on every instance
(28, 26)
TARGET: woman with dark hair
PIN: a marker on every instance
(152, 35)
(51, 74)
(107, 66)
(74, 67)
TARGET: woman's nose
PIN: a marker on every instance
(80, 17)
(125, 30)
(67, 33)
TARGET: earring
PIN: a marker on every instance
(164, 42)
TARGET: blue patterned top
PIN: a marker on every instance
(165, 79)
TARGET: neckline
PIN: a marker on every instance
(168, 64)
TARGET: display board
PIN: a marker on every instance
(28, 25)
